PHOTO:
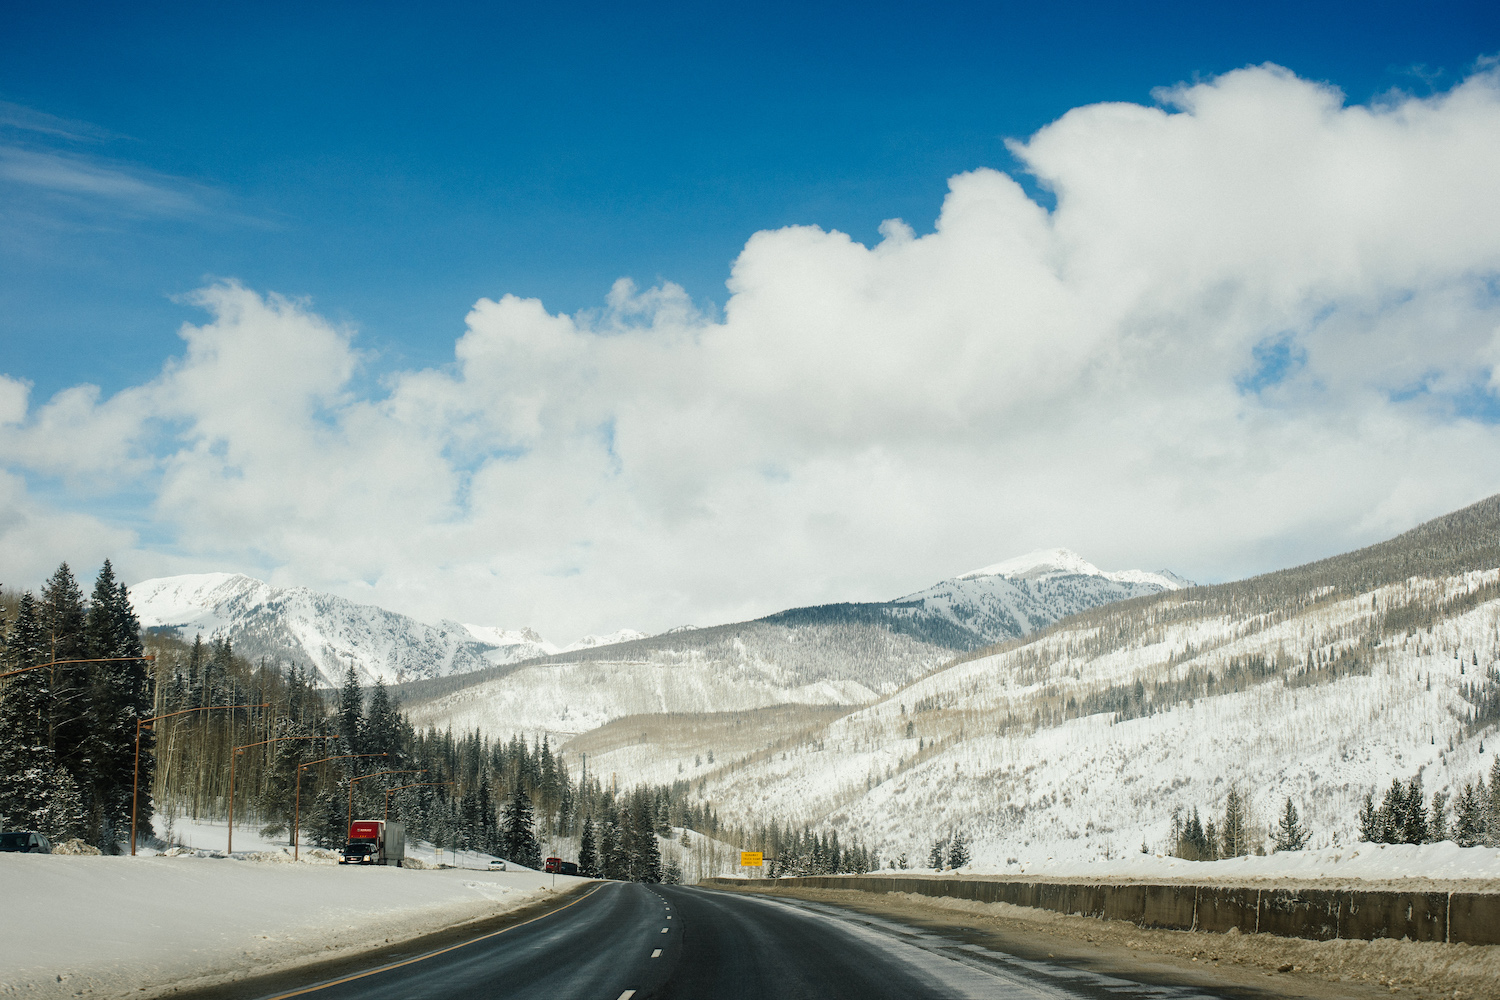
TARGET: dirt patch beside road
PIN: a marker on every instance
(1285, 967)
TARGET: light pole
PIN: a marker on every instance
(234, 757)
(135, 781)
(297, 810)
(418, 784)
(375, 774)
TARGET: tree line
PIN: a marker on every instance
(68, 730)
(1469, 819)
(298, 753)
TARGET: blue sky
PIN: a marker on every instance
(1203, 287)
(396, 167)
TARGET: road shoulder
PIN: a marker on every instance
(253, 986)
(1232, 963)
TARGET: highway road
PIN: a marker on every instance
(626, 941)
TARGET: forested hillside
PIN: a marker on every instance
(1322, 685)
(301, 753)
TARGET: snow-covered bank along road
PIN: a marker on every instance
(112, 926)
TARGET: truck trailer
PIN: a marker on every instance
(375, 842)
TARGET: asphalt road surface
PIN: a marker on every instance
(626, 941)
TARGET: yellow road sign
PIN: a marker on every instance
(751, 859)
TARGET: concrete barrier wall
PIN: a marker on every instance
(1316, 914)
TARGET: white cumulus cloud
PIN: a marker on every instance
(1258, 327)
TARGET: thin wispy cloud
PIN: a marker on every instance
(22, 118)
(98, 182)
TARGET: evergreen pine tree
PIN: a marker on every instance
(663, 814)
(1469, 816)
(120, 694)
(1492, 805)
(326, 822)
(216, 674)
(518, 834)
(938, 855)
(489, 830)
(1290, 834)
(197, 663)
(645, 852)
(469, 838)
(1370, 830)
(65, 637)
(36, 792)
(351, 712)
(382, 726)
(613, 855)
(1414, 825)
(588, 850)
(958, 851)
(1437, 819)
(1234, 838)
(1393, 814)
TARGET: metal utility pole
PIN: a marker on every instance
(140, 724)
(234, 758)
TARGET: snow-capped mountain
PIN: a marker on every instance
(828, 655)
(1018, 596)
(1008, 600)
(511, 644)
(1318, 683)
(614, 638)
(327, 632)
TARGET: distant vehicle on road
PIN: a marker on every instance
(497, 864)
(25, 841)
(552, 865)
(375, 842)
(567, 868)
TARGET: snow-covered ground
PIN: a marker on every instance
(1358, 864)
(114, 926)
(575, 697)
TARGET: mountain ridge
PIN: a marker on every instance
(329, 632)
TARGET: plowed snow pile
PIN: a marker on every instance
(1408, 867)
(111, 926)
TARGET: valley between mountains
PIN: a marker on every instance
(1040, 707)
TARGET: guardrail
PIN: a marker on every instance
(1315, 914)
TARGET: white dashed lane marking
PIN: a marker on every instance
(656, 953)
(627, 995)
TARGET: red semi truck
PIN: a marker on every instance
(375, 842)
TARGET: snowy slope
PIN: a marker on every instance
(1005, 601)
(511, 645)
(1319, 684)
(1018, 596)
(115, 926)
(322, 630)
(614, 638)
(742, 669)
(849, 655)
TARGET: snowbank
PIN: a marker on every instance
(116, 925)
(1356, 863)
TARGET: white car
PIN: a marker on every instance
(497, 864)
